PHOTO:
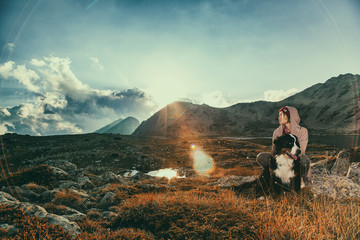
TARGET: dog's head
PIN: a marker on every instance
(287, 144)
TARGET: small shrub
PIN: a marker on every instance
(56, 209)
(32, 186)
(94, 215)
(69, 198)
(187, 215)
(91, 230)
(42, 175)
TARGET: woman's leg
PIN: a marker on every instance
(264, 159)
(306, 169)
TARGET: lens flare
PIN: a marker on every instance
(203, 164)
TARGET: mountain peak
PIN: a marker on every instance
(121, 126)
(324, 109)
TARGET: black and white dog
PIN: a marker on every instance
(283, 173)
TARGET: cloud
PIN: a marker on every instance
(215, 99)
(38, 63)
(278, 95)
(26, 77)
(3, 127)
(95, 63)
(62, 104)
(4, 112)
(10, 47)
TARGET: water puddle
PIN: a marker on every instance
(166, 172)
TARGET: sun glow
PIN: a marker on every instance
(203, 164)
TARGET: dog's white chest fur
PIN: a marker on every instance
(285, 168)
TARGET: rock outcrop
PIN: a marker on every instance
(35, 210)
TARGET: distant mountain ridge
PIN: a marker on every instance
(121, 126)
(324, 108)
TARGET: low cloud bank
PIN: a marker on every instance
(61, 103)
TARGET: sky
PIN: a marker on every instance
(74, 66)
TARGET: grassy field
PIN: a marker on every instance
(159, 208)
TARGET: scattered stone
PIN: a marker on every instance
(75, 217)
(131, 173)
(11, 229)
(187, 172)
(63, 164)
(34, 187)
(85, 182)
(59, 173)
(109, 215)
(110, 177)
(48, 195)
(28, 195)
(69, 184)
(25, 194)
(109, 199)
(234, 181)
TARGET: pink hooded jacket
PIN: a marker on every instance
(296, 129)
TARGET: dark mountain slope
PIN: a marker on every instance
(325, 108)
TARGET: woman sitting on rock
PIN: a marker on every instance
(289, 120)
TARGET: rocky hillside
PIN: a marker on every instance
(325, 108)
(121, 126)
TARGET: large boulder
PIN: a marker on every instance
(335, 186)
(342, 163)
(354, 172)
(37, 211)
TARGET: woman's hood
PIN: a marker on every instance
(294, 119)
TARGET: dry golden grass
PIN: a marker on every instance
(69, 199)
(94, 231)
(204, 215)
(300, 217)
(187, 215)
(204, 212)
(56, 209)
(42, 175)
(32, 186)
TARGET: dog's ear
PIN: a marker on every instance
(296, 140)
(276, 146)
